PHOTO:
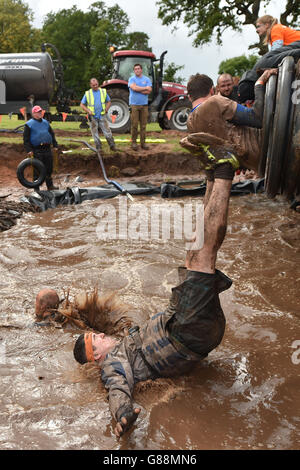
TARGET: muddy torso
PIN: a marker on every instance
(214, 116)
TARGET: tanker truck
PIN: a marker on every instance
(33, 78)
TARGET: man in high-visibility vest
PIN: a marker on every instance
(96, 103)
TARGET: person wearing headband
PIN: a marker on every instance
(171, 342)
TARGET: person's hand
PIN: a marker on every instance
(29, 154)
(126, 422)
(265, 76)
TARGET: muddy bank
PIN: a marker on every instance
(127, 163)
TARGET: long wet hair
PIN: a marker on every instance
(101, 313)
(271, 21)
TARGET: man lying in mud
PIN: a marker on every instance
(217, 124)
(173, 341)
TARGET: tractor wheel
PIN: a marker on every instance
(180, 114)
(118, 114)
(164, 122)
(281, 123)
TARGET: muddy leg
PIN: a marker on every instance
(215, 225)
(209, 187)
(95, 133)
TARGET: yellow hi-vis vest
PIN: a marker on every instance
(91, 102)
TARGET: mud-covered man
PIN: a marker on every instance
(140, 88)
(219, 126)
(173, 341)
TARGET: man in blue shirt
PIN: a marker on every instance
(96, 102)
(140, 87)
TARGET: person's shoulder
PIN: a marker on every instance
(147, 79)
(218, 99)
(278, 27)
(278, 30)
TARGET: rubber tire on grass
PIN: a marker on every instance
(38, 165)
(280, 126)
(269, 107)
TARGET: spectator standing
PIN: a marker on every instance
(96, 102)
(140, 87)
(38, 137)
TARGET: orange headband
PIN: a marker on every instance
(89, 347)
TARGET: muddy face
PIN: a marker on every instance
(243, 396)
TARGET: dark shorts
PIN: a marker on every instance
(198, 320)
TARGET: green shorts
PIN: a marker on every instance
(198, 322)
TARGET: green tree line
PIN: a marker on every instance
(82, 38)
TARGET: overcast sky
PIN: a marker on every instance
(143, 17)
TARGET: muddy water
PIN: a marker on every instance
(245, 395)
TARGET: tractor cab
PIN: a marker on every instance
(165, 96)
(124, 61)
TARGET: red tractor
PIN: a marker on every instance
(165, 96)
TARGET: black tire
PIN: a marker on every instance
(269, 108)
(290, 183)
(38, 165)
(120, 108)
(181, 110)
(164, 122)
(281, 122)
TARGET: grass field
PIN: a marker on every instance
(122, 140)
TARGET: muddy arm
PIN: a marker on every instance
(117, 377)
(251, 117)
(26, 139)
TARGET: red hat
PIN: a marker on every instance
(36, 109)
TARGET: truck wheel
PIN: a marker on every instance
(269, 107)
(181, 110)
(280, 126)
(40, 168)
(120, 110)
